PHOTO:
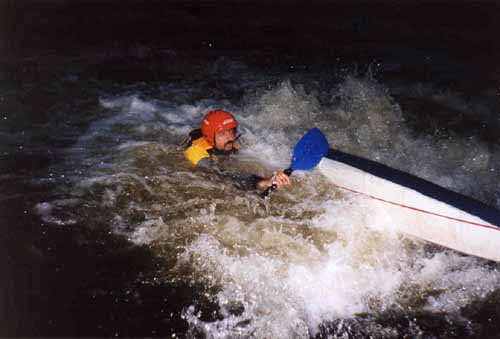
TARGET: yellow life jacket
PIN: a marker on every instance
(197, 151)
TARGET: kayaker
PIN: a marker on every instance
(218, 135)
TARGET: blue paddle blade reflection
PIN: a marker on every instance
(309, 150)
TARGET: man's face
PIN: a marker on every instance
(225, 140)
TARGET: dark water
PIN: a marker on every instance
(66, 67)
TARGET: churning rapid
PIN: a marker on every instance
(310, 261)
(109, 231)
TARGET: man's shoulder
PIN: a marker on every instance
(198, 151)
(201, 143)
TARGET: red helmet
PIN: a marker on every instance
(216, 121)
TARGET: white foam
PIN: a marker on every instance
(128, 103)
(291, 291)
(47, 210)
(295, 262)
(132, 144)
(43, 209)
(147, 231)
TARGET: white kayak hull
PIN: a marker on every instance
(417, 207)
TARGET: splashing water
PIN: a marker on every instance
(310, 256)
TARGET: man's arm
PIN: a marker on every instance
(247, 182)
(243, 181)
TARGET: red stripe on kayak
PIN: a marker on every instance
(421, 210)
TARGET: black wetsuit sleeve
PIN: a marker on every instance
(242, 181)
(246, 182)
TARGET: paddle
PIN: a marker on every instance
(306, 154)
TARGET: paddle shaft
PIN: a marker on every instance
(272, 188)
(307, 153)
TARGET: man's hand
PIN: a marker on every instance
(279, 179)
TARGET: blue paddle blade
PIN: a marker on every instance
(309, 150)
